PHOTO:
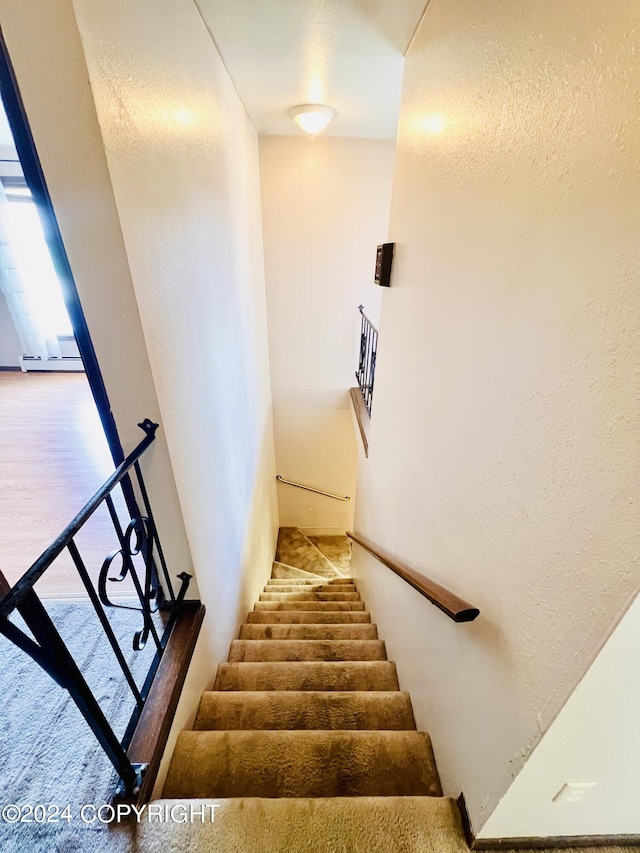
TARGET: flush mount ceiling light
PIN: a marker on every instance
(312, 118)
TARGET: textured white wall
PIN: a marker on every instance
(183, 159)
(504, 444)
(316, 446)
(325, 207)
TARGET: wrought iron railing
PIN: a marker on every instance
(365, 374)
(136, 559)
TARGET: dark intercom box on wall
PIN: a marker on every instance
(384, 257)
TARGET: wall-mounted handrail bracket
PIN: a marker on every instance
(456, 608)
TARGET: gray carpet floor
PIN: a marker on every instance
(48, 754)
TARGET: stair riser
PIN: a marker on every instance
(302, 764)
(309, 632)
(306, 588)
(307, 675)
(307, 650)
(304, 617)
(317, 573)
(305, 710)
(309, 605)
(309, 596)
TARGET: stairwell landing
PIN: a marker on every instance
(306, 742)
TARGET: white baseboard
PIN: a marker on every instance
(67, 363)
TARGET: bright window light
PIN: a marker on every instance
(32, 258)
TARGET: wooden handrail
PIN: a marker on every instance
(456, 608)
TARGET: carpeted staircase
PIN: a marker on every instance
(306, 741)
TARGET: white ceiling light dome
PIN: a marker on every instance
(312, 118)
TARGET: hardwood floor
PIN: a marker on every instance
(53, 457)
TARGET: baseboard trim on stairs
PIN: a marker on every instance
(469, 837)
(547, 842)
(152, 732)
(555, 842)
(362, 417)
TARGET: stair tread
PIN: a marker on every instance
(329, 631)
(304, 650)
(337, 549)
(357, 825)
(307, 675)
(306, 763)
(318, 617)
(291, 709)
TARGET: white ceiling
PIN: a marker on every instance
(346, 54)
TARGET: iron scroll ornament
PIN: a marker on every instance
(137, 539)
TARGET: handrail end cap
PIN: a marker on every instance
(467, 615)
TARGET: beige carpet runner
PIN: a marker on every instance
(306, 742)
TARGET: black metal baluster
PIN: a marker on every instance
(374, 356)
(154, 532)
(365, 373)
(359, 371)
(374, 353)
(86, 580)
(363, 381)
(367, 377)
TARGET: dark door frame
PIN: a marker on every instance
(35, 180)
